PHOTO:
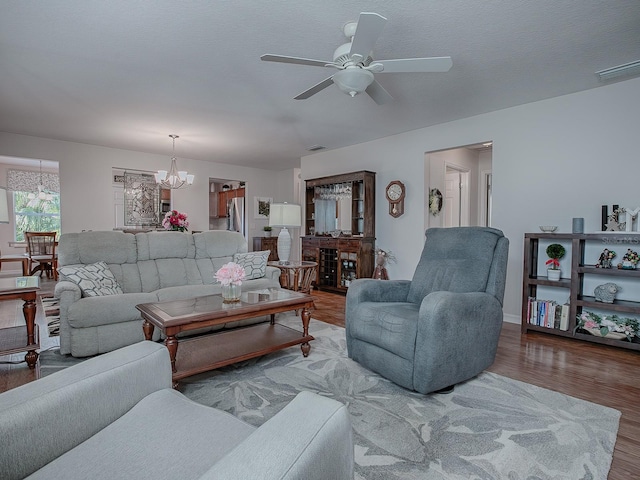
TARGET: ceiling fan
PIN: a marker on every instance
(356, 66)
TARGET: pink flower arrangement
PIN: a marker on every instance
(230, 273)
(174, 220)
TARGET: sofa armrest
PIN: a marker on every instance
(68, 293)
(310, 438)
(273, 273)
(457, 337)
(42, 420)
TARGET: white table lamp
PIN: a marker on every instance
(284, 215)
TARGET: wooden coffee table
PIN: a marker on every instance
(207, 352)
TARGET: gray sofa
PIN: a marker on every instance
(116, 417)
(149, 267)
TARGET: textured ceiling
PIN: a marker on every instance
(126, 74)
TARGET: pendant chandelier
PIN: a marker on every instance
(42, 195)
(173, 178)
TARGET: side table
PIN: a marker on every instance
(22, 338)
(296, 276)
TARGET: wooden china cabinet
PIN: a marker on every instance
(339, 228)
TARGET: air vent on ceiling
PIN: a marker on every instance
(631, 68)
(315, 148)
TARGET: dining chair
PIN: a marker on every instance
(41, 248)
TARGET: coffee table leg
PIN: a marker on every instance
(306, 316)
(147, 328)
(29, 312)
(172, 345)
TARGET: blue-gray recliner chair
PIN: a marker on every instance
(440, 328)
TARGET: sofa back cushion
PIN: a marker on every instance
(214, 248)
(156, 245)
(111, 247)
(455, 259)
(146, 262)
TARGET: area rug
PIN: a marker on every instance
(490, 427)
(51, 307)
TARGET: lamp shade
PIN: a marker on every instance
(4, 206)
(353, 80)
(284, 215)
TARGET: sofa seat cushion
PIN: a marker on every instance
(391, 326)
(96, 311)
(165, 435)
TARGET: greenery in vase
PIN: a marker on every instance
(555, 252)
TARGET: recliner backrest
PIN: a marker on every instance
(461, 259)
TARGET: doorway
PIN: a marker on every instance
(463, 175)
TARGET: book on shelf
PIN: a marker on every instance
(564, 317)
(548, 314)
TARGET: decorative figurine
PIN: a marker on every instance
(382, 256)
(606, 292)
(605, 258)
(629, 261)
(613, 224)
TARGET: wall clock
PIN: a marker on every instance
(395, 195)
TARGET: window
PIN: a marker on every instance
(34, 215)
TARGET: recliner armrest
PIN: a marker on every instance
(457, 337)
(370, 290)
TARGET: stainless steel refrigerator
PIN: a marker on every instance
(235, 215)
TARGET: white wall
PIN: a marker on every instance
(552, 160)
(86, 197)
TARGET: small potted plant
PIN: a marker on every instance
(555, 252)
(267, 231)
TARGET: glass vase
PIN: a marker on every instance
(231, 293)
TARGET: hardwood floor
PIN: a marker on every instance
(597, 373)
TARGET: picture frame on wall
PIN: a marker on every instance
(261, 207)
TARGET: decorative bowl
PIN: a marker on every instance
(596, 332)
(335, 233)
(548, 228)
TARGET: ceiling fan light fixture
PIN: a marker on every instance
(353, 81)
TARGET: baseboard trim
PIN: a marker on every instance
(507, 317)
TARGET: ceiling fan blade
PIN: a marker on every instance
(369, 28)
(378, 93)
(315, 89)
(408, 65)
(296, 60)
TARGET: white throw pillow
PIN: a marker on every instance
(94, 280)
(254, 263)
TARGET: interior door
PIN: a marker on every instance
(457, 208)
